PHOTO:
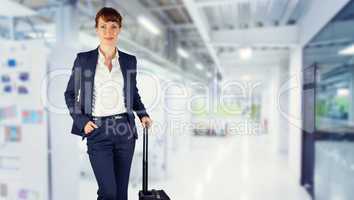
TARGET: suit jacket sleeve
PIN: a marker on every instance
(72, 96)
(138, 106)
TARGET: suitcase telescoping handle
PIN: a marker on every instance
(145, 160)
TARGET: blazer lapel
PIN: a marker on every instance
(92, 62)
(126, 91)
(122, 65)
(89, 76)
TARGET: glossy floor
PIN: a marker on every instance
(230, 168)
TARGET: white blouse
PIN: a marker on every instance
(108, 97)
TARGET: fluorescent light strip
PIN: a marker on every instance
(348, 50)
(151, 27)
(343, 92)
(182, 52)
(245, 53)
(199, 66)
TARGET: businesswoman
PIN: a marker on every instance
(101, 96)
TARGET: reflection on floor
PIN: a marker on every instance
(231, 168)
(334, 170)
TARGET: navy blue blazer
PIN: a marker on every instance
(79, 90)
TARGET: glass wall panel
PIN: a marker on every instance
(332, 54)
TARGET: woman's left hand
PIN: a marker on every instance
(146, 122)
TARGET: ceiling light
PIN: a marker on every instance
(199, 66)
(343, 92)
(246, 78)
(348, 50)
(149, 25)
(182, 52)
(245, 53)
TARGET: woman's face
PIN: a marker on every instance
(107, 32)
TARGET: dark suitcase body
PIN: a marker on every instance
(153, 195)
(146, 194)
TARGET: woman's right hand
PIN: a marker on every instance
(89, 127)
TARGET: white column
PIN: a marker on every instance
(274, 120)
(283, 108)
(65, 153)
(295, 107)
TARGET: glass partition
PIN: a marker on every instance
(332, 54)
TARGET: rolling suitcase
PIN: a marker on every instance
(146, 194)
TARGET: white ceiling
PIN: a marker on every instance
(10, 8)
(219, 28)
(212, 31)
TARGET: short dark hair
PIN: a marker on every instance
(109, 14)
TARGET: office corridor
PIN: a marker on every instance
(204, 71)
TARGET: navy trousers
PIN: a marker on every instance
(110, 148)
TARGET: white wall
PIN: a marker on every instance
(23, 122)
(265, 110)
(278, 101)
